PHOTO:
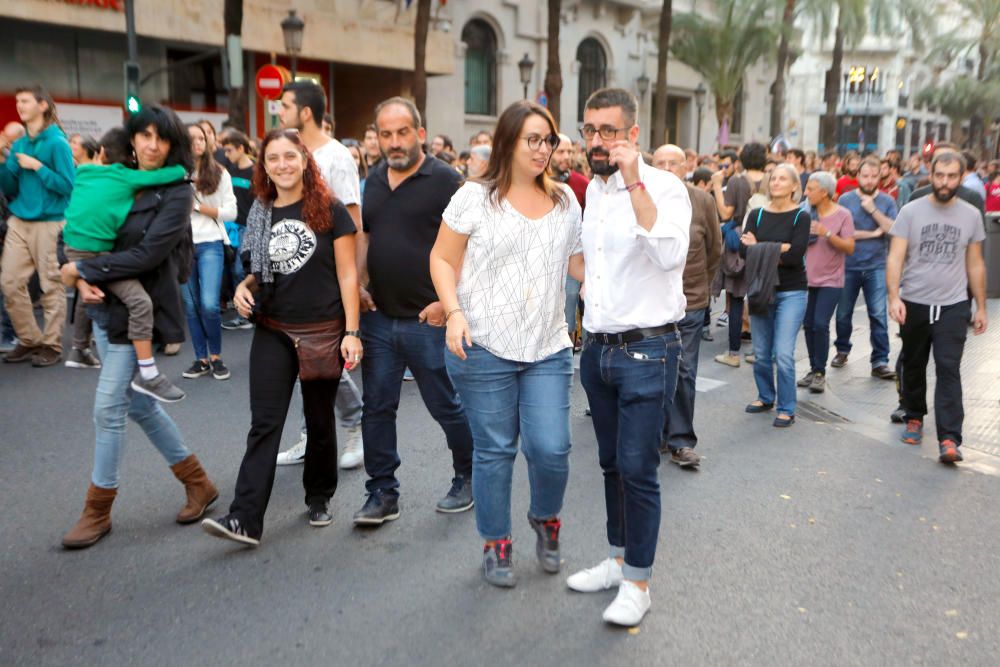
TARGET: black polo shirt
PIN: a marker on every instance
(402, 225)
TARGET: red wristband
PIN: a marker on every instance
(635, 186)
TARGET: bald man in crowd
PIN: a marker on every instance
(704, 254)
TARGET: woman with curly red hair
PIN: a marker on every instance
(301, 290)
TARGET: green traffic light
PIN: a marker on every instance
(132, 104)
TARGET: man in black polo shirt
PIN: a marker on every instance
(404, 198)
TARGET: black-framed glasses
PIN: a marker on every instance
(536, 141)
(607, 132)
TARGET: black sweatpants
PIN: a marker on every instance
(273, 369)
(941, 329)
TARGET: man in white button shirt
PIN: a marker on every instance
(635, 240)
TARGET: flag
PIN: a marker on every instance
(724, 133)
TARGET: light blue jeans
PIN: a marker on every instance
(774, 337)
(114, 402)
(503, 400)
(201, 299)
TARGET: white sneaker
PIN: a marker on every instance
(294, 454)
(606, 574)
(354, 450)
(630, 605)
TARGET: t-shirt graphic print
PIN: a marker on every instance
(292, 244)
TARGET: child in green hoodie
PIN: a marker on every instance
(102, 197)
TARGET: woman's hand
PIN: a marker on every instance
(243, 300)
(88, 292)
(352, 351)
(748, 239)
(458, 333)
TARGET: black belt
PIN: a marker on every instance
(633, 335)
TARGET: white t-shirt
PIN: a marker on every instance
(339, 171)
(513, 283)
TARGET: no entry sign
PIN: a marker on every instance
(270, 80)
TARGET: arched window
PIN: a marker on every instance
(593, 71)
(480, 68)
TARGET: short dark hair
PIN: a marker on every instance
(308, 95)
(797, 152)
(117, 149)
(371, 128)
(403, 102)
(728, 154)
(701, 175)
(606, 98)
(753, 156)
(90, 146)
(234, 137)
(970, 160)
(169, 126)
(947, 157)
(446, 140)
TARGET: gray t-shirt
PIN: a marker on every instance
(937, 235)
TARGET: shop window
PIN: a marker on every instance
(593, 71)
(480, 68)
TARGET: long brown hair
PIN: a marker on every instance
(208, 170)
(42, 95)
(498, 176)
(316, 196)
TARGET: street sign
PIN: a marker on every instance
(542, 98)
(270, 80)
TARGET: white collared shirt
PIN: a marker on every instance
(634, 276)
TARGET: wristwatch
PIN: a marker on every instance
(197, 207)
(354, 332)
(828, 234)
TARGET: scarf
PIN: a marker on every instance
(258, 239)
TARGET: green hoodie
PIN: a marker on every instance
(39, 196)
(102, 198)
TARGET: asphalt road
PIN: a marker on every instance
(813, 545)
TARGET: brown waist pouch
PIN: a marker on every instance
(317, 345)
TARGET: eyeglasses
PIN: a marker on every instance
(536, 141)
(607, 132)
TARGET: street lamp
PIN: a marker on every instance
(642, 84)
(292, 27)
(525, 65)
(699, 100)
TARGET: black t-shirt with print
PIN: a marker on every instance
(305, 285)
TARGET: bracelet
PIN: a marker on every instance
(635, 186)
(354, 332)
(450, 313)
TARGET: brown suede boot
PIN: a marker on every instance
(201, 493)
(95, 522)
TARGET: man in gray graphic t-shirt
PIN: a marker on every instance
(935, 260)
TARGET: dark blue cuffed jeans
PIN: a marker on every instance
(820, 306)
(630, 387)
(872, 283)
(392, 345)
(678, 431)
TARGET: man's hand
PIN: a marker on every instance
(433, 314)
(69, 274)
(817, 228)
(717, 178)
(867, 202)
(979, 322)
(897, 310)
(367, 303)
(28, 162)
(626, 157)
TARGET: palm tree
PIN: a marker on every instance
(722, 50)
(662, 51)
(420, 30)
(553, 73)
(232, 18)
(963, 99)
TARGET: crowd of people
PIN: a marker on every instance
(478, 274)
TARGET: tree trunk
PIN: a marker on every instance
(420, 55)
(553, 75)
(828, 124)
(662, 52)
(233, 24)
(977, 123)
(778, 87)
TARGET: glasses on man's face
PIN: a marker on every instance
(536, 141)
(607, 132)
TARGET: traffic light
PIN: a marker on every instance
(132, 101)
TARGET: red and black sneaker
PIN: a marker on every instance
(948, 452)
(547, 544)
(498, 564)
(914, 432)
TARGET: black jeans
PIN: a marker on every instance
(735, 323)
(678, 430)
(943, 330)
(273, 369)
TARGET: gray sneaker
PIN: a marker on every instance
(547, 544)
(685, 457)
(807, 379)
(498, 564)
(818, 385)
(458, 498)
(82, 359)
(158, 387)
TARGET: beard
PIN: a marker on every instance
(944, 195)
(602, 166)
(403, 162)
(867, 191)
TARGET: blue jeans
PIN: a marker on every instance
(237, 268)
(629, 397)
(115, 401)
(392, 345)
(201, 299)
(572, 302)
(505, 399)
(678, 430)
(774, 344)
(821, 304)
(872, 282)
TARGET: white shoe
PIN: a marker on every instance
(354, 450)
(294, 454)
(630, 605)
(606, 574)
